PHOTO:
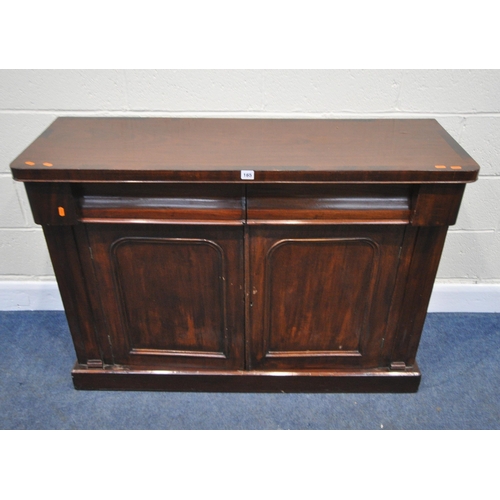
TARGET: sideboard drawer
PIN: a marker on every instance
(333, 203)
(161, 202)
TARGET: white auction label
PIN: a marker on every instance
(248, 175)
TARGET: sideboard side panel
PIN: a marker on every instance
(420, 258)
(65, 255)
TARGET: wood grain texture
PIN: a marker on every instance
(335, 280)
(156, 202)
(47, 200)
(320, 296)
(65, 254)
(378, 381)
(171, 296)
(216, 150)
(177, 275)
(437, 204)
(419, 262)
(326, 204)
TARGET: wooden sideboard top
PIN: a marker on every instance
(216, 150)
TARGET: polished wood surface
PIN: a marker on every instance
(312, 381)
(174, 202)
(330, 203)
(197, 150)
(176, 274)
(320, 296)
(172, 295)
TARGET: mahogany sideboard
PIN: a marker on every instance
(245, 254)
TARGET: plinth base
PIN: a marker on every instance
(376, 380)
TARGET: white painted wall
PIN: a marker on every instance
(465, 102)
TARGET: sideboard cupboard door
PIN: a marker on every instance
(321, 296)
(172, 296)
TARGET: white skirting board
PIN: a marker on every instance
(480, 298)
(30, 296)
(44, 295)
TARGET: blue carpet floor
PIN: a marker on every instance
(459, 358)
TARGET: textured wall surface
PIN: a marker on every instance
(465, 102)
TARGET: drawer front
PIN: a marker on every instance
(331, 203)
(161, 202)
(418, 205)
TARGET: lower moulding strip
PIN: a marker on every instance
(374, 380)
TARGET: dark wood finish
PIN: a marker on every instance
(176, 274)
(437, 204)
(320, 296)
(52, 203)
(215, 150)
(66, 254)
(419, 263)
(161, 202)
(331, 203)
(171, 295)
(317, 381)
